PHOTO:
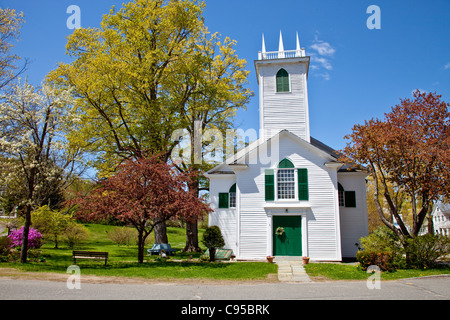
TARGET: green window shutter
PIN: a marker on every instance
(303, 193)
(223, 201)
(282, 81)
(270, 185)
(350, 199)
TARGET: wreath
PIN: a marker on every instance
(280, 231)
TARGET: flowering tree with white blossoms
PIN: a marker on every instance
(32, 145)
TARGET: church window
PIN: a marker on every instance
(282, 81)
(290, 183)
(286, 184)
(228, 200)
(346, 198)
(341, 195)
(233, 196)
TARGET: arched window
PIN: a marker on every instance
(282, 81)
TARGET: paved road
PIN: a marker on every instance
(431, 288)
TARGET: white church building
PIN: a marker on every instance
(287, 194)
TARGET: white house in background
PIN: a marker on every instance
(286, 194)
(441, 218)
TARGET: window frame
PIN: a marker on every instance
(285, 77)
(294, 182)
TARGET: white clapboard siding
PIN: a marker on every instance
(284, 111)
(322, 234)
(354, 221)
(225, 219)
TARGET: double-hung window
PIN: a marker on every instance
(286, 184)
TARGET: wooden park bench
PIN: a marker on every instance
(157, 248)
(89, 255)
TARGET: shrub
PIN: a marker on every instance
(424, 251)
(384, 260)
(384, 241)
(212, 239)
(75, 233)
(123, 236)
(5, 248)
(34, 238)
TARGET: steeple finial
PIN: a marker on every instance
(263, 44)
(298, 43)
(281, 45)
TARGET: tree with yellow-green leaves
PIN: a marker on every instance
(152, 68)
(10, 24)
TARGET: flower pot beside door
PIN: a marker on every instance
(270, 259)
(305, 260)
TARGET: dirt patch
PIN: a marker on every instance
(10, 273)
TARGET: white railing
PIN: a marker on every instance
(281, 54)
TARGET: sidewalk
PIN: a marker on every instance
(290, 269)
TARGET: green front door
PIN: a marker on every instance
(289, 243)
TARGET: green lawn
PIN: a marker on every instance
(330, 271)
(123, 260)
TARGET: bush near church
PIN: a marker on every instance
(212, 239)
(384, 249)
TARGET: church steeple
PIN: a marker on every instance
(283, 91)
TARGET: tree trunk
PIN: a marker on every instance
(192, 237)
(212, 254)
(430, 224)
(161, 232)
(141, 246)
(192, 227)
(26, 231)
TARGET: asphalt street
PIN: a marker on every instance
(430, 288)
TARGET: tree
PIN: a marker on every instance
(10, 24)
(212, 239)
(31, 143)
(143, 193)
(407, 152)
(216, 80)
(123, 76)
(150, 69)
(50, 223)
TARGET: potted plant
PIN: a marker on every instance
(305, 260)
(270, 259)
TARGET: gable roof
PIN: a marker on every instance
(238, 159)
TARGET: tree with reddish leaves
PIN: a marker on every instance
(408, 151)
(144, 192)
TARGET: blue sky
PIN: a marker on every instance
(356, 73)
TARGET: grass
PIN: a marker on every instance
(330, 271)
(123, 263)
(123, 260)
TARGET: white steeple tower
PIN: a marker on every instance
(283, 90)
